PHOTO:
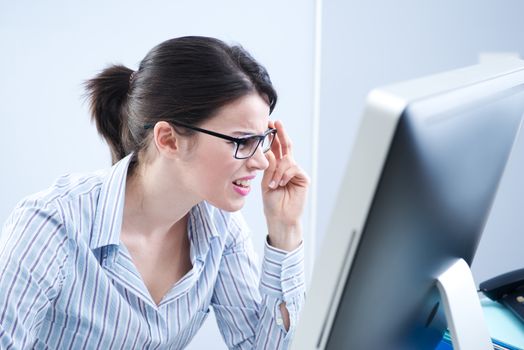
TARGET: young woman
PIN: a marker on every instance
(133, 257)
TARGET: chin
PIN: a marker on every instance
(229, 206)
(233, 208)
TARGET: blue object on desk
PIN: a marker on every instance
(503, 324)
(506, 330)
(445, 344)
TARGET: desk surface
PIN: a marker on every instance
(502, 324)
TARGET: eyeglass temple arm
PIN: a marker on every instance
(222, 136)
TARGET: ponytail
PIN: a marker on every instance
(107, 93)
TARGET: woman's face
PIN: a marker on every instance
(214, 174)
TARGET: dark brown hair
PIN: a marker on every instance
(184, 79)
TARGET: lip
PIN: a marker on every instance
(243, 191)
(250, 177)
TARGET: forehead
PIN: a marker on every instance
(248, 113)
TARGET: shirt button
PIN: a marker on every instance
(279, 321)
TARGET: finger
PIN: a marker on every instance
(276, 147)
(282, 167)
(284, 139)
(270, 171)
(295, 175)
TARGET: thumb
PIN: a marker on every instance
(270, 171)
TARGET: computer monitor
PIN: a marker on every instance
(419, 185)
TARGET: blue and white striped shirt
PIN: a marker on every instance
(68, 282)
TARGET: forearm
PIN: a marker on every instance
(269, 314)
(286, 238)
(282, 287)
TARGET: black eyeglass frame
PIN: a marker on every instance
(237, 140)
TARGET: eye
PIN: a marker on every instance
(248, 143)
(244, 144)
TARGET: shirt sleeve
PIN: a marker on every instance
(32, 254)
(247, 302)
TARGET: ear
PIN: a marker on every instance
(165, 138)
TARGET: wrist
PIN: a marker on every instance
(285, 237)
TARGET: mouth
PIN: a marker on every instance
(244, 183)
(243, 186)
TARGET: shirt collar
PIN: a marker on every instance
(202, 229)
(110, 206)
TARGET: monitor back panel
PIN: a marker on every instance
(430, 206)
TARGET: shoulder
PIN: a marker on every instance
(47, 214)
(70, 187)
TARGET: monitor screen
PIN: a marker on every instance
(424, 171)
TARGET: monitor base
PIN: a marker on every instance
(463, 310)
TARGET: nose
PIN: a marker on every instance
(258, 160)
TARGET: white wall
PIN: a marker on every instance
(48, 48)
(371, 43)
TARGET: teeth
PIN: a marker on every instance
(243, 183)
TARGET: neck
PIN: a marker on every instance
(155, 200)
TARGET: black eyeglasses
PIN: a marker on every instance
(245, 146)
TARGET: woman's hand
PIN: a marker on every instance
(284, 190)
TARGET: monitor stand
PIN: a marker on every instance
(463, 310)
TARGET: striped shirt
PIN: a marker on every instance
(68, 282)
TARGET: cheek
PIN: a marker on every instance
(219, 170)
(224, 171)
(215, 167)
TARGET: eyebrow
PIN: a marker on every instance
(248, 133)
(243, 133)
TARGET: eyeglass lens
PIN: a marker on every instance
(249, 147)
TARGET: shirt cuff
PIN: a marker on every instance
(283, 272)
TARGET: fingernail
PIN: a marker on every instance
(272, 184)
(282, 183)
